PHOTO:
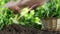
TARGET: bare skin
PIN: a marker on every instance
(20, 4)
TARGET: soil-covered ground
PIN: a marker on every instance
(18, 29)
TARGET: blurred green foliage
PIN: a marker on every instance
(32, 19)
(48, 10)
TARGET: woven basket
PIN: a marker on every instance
(51, 24)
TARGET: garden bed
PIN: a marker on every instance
(18, 29)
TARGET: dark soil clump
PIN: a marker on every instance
(18, 29)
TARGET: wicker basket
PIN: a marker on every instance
(51, 24)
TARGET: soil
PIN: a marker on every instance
(18, 29)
